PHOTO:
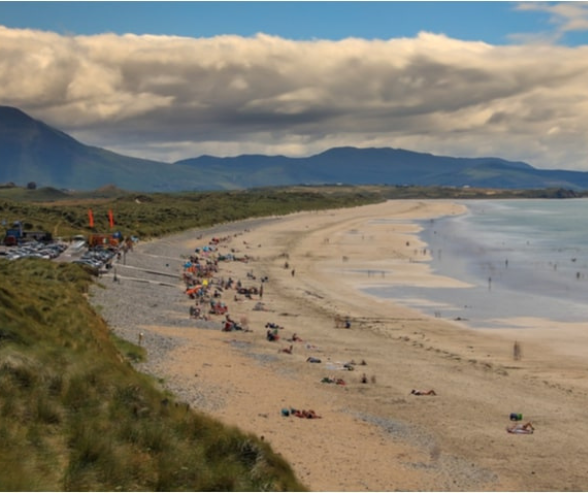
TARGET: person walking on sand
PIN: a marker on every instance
(516, 350)
(293, 272)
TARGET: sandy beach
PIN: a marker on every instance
(372, 436)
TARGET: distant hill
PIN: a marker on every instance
(384, 166)
(31, 151)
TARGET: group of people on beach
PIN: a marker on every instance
(205, 287)
(202, 285)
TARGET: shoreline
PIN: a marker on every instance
(373, 436)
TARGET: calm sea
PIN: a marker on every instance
(522, 258)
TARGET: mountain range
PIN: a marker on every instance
(32, 151)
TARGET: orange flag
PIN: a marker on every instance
(91, 218)
(111, 219)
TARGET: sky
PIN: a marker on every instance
(174, 80)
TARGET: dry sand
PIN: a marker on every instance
(376, 436)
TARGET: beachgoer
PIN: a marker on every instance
(423, 392)
(310, 414)
(516, 350)
(312, 359)
(259, 307)
(526, 428)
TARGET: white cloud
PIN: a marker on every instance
(565, 16)
(169, 98)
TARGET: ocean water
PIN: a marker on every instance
(521, 258)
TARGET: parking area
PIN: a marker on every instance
(99, 259)
(33, 249)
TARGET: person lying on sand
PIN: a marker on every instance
(310, 414)
(338, 381)
(350, 365)
(525, 429)
(287, 350)
(312, 359)
(423, 392)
